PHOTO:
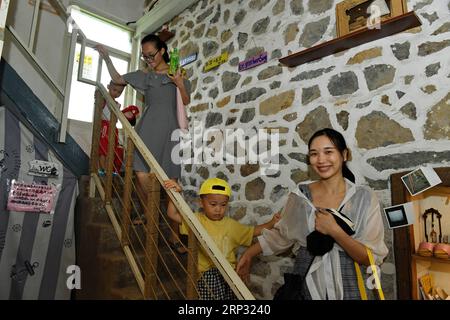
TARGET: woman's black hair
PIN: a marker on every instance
(158, 43)
(339, 142)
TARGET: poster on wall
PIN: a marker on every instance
(44, 169)
(32, 197)
(421, 179)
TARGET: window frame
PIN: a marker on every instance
(129, 97)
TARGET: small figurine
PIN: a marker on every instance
(433, 234)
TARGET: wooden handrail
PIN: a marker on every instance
(204, 239)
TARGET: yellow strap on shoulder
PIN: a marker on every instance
(361, 286)
(375, 274)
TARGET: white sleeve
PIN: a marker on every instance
(290, 229)
(274, 241)
(371, 230)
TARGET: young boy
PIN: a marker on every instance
(115, 91)
(130, 112)
(227, 233)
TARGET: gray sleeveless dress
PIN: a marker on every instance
(158, 120)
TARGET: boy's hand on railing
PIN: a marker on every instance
(171, 184)
(276, 217)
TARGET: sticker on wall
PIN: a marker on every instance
(9, 163)
(217, 61)
(420, 180)
(188, 59)
(253, 62)
(87, 66)
(43, 169)
(400, 215)
(32, 197)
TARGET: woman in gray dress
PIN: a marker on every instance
(159, 118)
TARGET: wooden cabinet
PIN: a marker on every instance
(409, 265)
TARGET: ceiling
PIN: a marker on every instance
(163, 12)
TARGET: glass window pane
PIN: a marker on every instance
(81, 105)
(101, 31)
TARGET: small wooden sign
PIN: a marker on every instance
(253, 62)
(217, 61)
(188, 59)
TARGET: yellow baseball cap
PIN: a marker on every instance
(215, 186)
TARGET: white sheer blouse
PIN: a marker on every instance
(324, 278)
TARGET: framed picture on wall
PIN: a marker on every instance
(420, 180)
(400, 215)
(353, 15)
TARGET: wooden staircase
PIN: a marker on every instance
(105, 271)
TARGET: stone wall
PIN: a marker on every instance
(390, 99)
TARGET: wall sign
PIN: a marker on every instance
(253, 62)
(353, 15)
(188, 59)
(43, 169)
(217, 61)
(31, 197)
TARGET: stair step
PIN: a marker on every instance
(128, 293)
(108, 274)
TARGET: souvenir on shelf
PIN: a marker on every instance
(426, 248)
(435, 246)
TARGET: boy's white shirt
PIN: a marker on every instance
(324, 278)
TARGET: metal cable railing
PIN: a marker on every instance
(153, 218)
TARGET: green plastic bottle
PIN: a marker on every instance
(174, 61)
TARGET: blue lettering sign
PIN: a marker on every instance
(188, 59)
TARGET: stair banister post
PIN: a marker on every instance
(96, 123)
(152, 217)
(110, 155)
(192, 267)
(126, 213)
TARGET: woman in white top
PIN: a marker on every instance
(329, 275)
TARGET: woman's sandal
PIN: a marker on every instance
(178, 247)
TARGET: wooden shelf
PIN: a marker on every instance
(430, 259)
(388, 27)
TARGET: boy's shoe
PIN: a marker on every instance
(115, 173)
(101, 172)
(177, 246)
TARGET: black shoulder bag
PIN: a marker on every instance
(293, 287)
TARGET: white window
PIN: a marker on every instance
(97, 30)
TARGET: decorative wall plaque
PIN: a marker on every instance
(353, 15)
(253, 62)
(215, 62)
(189, 59)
